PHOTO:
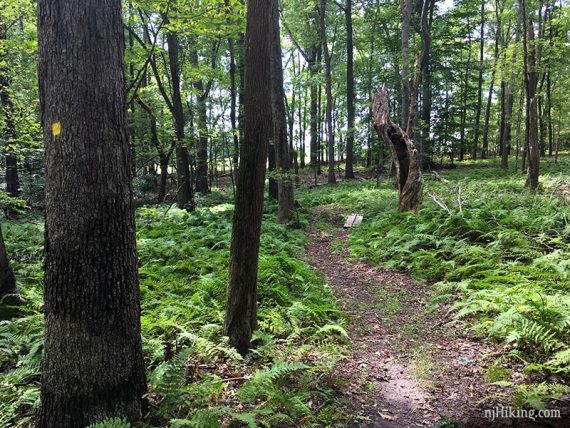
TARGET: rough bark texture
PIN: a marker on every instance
(350, 105)
(241, 308)
(406, 158)
(93, 365)
(286, 201)
(331, 178)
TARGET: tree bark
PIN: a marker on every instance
(93, 365)
(163, 155)
(506, 120)
(531, 84)
(350, 99)
(241, 308)
(185, 194)
(286, 198)
(406, 11)
(9, 131)
(328, 88)
(479, 82)
(9, 293)
(426, 20)
(405, 156)
(485, 148)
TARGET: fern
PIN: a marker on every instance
(111, 423)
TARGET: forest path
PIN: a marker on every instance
(407, 368)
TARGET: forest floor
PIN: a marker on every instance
(408, 366)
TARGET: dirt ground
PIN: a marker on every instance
(409, 366)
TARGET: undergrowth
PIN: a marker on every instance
(195, 378)
(497, 254)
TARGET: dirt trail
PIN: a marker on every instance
(408, 367)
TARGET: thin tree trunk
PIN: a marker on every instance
(241, 307)
(9, 293)
(406, 11)
(485, 149)
(479, 82)
(286, 198)
(93, 365)
(350, 99)
(531, 84)
(185, 193)
(328, 88)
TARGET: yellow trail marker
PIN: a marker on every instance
(56, 129)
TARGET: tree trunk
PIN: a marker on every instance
(163, 155)
(9, 132)
(241, 308)
(485, 148)
(426, 81)
(350, 105)
(328, 88)
(93, 365)
(185, 193)
(479, 82)
(531, 83)
(405, 156)
(406, 10)
(506, 126)
(314, 111)
(286, 198)
(9, 293)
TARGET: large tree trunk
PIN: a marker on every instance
(350, 107)
(93, 365)
(241, 308)
(531, 83)
(328, 88)
(185, 193)
(405, 156)
(286, 204)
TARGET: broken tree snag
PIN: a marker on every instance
(406, 157)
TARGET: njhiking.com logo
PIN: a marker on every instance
(508, 412)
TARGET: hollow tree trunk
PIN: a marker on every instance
(241, 307)
(406, 158)
(93, 365)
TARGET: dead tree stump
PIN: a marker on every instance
(406, 157)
